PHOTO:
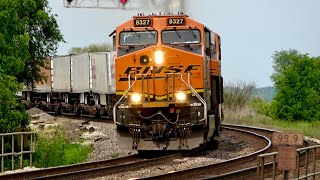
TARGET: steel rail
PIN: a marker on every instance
(219, 168)
(87, 170)
(65, 169)
(250, 172)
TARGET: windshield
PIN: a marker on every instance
(181, 36)
(131, 38)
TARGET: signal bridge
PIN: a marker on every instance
(145, 5)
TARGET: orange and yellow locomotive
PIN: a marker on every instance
(168, 83)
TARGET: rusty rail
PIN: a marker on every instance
(302, 153)
(92, 169)
(215, 170)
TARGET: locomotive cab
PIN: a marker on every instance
(168, 83)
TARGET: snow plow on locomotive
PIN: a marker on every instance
(168, 83)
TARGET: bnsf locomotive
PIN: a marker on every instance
(162, 85)
(168, 83)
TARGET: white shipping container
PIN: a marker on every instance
(80, 67)
(61, 74)
(111, 72)
(99, 64)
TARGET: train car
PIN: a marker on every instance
(81, 84)
(38, 94)
(168, 83)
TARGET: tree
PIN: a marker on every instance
(91, 48)
(12, 114)
(28, 35)
(297, 84)
(43, 37)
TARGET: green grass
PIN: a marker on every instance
(241, 107)
(54, 149)
(251, 118)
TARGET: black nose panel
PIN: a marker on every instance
(144, 60)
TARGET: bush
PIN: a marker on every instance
(56, 150)
(296, 79)
(12, 114)
(261, 106)
(238, 95)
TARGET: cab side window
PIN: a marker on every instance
(213, 51)
(219, 47)
(207, 41)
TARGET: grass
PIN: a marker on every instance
(241, 107)
(248, 116)
(54, 149)
(115, 155)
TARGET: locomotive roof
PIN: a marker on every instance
(140, 15)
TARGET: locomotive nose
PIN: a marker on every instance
(155, 58)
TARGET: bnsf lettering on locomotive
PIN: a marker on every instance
(159, 69)
(193, 67)
(173, 69)
(133, 70)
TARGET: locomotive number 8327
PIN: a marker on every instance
(168, 83)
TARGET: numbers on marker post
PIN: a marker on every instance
(287, 139)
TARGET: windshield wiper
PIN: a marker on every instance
(135, 33)
(175, 30)
(154, 36)
(194, 34)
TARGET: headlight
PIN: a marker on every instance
(181, 96)
(158, 57)
(136, 98)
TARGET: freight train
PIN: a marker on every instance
(162, 85)
(82, 85)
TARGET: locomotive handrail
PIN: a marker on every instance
(181, 77)
(115, 106)
(197, 95)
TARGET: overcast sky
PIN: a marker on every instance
(251, 31)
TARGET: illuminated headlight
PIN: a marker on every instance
(136, 98)
(181, 96)
(158, 57)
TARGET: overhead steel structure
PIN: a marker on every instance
(164, 6)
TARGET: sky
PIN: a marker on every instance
(251, 31)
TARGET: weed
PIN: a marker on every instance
(115, 154)
(238, 95)
(55, 150)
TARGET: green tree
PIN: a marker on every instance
(91, 48)
(28, 35)
(297, 84)
(12, 114)
(43, 34)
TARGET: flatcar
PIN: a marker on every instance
(168, 83)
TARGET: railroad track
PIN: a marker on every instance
(100, 168)
(217, 170)
(83, 118)
(47, 172)
(91, 169)
(241, 166)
